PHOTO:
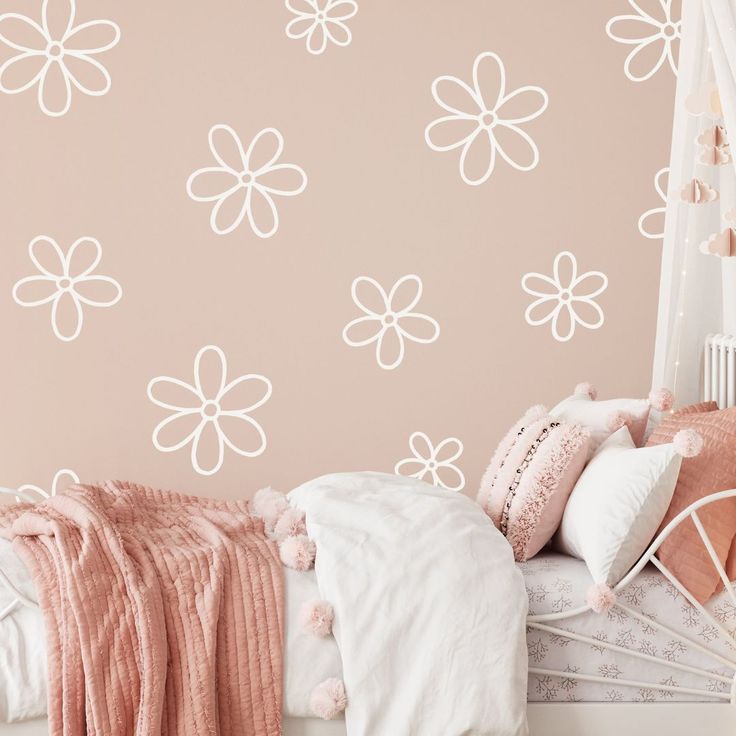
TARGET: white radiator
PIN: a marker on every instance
(719, 370)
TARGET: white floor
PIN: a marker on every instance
(549, 719)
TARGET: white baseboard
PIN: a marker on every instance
(631, 719)
(547, 719)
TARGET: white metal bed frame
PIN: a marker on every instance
(545, 622)
(577, 719)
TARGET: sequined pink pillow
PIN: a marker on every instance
(530, 477)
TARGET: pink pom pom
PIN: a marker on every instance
(269, 505)
(298, 552)
(535, 412)
(688, 443)
(317, 617)
(617, 420)
(586, 389)
(290, 524)
(328, 699)
(661, 399)
(600, 597)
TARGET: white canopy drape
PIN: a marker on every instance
(698, 279)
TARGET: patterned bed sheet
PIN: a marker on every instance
(557, 583)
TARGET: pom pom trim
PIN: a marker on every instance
(688, 443)
(586, 389)
(298, 552)
(291, 523)
(600, 598)
(618, 419)
(661, 399)
(328, 699)
(269, 505)
(317, 617)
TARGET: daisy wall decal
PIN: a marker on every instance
(484, 120)
(62, 479)
(651, 223)
(389, 319)
(243, 183)
(655, 39)
(321, 22)
(565, 299)
(68, 282)
(435, 462)
(58, 55)
(211, 413)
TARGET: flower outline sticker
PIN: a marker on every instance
(661, 190)
(241, 181)
(427, 460)
(58, 52)
(561, 289)
(478, 124)
(57, 484)
(667, 32)
(321, 24)
(390, 334)
(199, 409)
(67, 292)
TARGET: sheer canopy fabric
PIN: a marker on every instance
(698, 277)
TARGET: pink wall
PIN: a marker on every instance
(379, 202)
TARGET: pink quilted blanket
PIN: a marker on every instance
(163, 612)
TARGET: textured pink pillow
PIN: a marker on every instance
(529, 478)
(714, 469)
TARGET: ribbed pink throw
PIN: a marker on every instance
(163, 612)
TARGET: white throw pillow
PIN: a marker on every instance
(617, 505)
(603, 418)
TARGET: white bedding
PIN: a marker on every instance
(554, 583)
(557, 583)
(430, 609)
(22, 647)
(426, 644)
(308, 660)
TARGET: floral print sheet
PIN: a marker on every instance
(558, 583)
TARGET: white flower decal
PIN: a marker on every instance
(656, 213)
(211, 413)
(435, 461)
(321, 21)
(57, 55)
(389, 319)
(243, 182)
(565, 299)
(67, 282)
(484, 120)
(652, 38)
(62, 480)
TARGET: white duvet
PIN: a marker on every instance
(429, 607)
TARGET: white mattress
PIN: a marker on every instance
(554, 583)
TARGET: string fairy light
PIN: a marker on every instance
(680, 317)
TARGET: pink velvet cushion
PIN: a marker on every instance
(714, 469)
(530, 476)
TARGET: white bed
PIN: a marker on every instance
(656, 660)
(556, 584)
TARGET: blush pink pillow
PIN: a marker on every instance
(530, 477)
(714, 469)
